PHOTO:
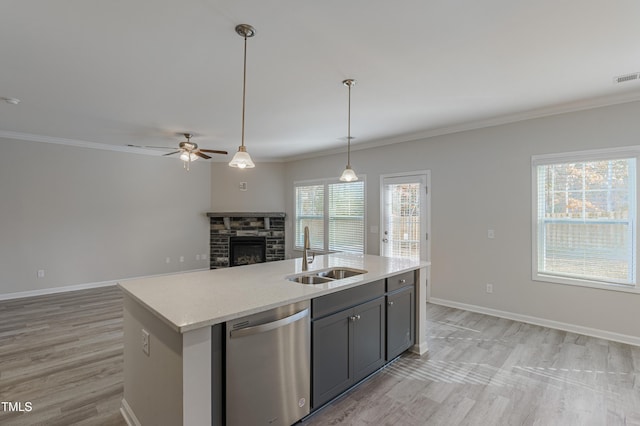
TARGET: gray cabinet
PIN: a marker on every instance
(356, 331)
(368, 338)
(347, 345)
(401, 316)
(400, 321)
(330, 348)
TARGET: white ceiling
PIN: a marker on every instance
(110, 73)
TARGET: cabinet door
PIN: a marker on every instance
(400, 322)
(368, 338)
(330, 356)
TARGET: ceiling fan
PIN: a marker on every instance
(188, 150)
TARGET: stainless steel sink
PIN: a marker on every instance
(340, 273)
(310, 279)
(326, 275)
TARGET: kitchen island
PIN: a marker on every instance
(168, 326)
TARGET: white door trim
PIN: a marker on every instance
(425, 220)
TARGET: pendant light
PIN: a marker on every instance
(349, 175)
(242, 159)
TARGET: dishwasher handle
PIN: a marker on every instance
(248, 331)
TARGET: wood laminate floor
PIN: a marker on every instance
(482, 370)
(63, 353)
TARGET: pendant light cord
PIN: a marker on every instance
(349, 130)
(244, 86)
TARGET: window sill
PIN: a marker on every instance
(625, 288)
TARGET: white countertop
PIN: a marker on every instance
(191, 300)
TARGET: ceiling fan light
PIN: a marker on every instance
(242, 159)
(188, 156)
(348, 175)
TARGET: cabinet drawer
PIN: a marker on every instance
(334, 302)
(401, 280)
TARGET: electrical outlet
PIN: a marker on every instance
(197, 257)
(489, 288)
(145, 341)
(203, 257)
(167, 260)
(491, 234)
(40, 273)
(181, 259)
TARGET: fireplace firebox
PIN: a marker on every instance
(247, 250)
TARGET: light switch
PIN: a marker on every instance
(491, 234)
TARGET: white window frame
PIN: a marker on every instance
(579, 156)
(326, 182)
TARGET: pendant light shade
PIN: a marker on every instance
(349, 175)
(242, 159)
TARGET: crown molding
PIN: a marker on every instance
(568, 107)
(74, 142)
(533, 114)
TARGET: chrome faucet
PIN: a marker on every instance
(305, 253)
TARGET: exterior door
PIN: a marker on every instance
(404, 215)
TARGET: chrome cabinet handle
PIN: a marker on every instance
(352, 318)
(402, 281)
(357, 317)
(390, 303)
(385, 240)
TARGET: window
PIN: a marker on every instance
(334, 213)
(585, 218)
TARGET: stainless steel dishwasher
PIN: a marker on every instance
(268, 367)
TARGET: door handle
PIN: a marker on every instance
(261, 328)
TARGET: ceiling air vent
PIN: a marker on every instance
(626, 77)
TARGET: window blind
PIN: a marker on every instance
(586, 214)
(310, 212)
(346, 217)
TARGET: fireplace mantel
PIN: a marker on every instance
(246, 214)
(226, 217)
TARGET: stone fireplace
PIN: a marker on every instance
(239, 238)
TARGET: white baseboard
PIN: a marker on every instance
(587, 331)
(45, 291)
(86, 286)
(128, 415)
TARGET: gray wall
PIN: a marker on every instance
(89, 216)
(265, 188)
(480, 180)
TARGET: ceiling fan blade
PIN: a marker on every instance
(201, 155)
(214, 151)
(149, 146)
(171, 153)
